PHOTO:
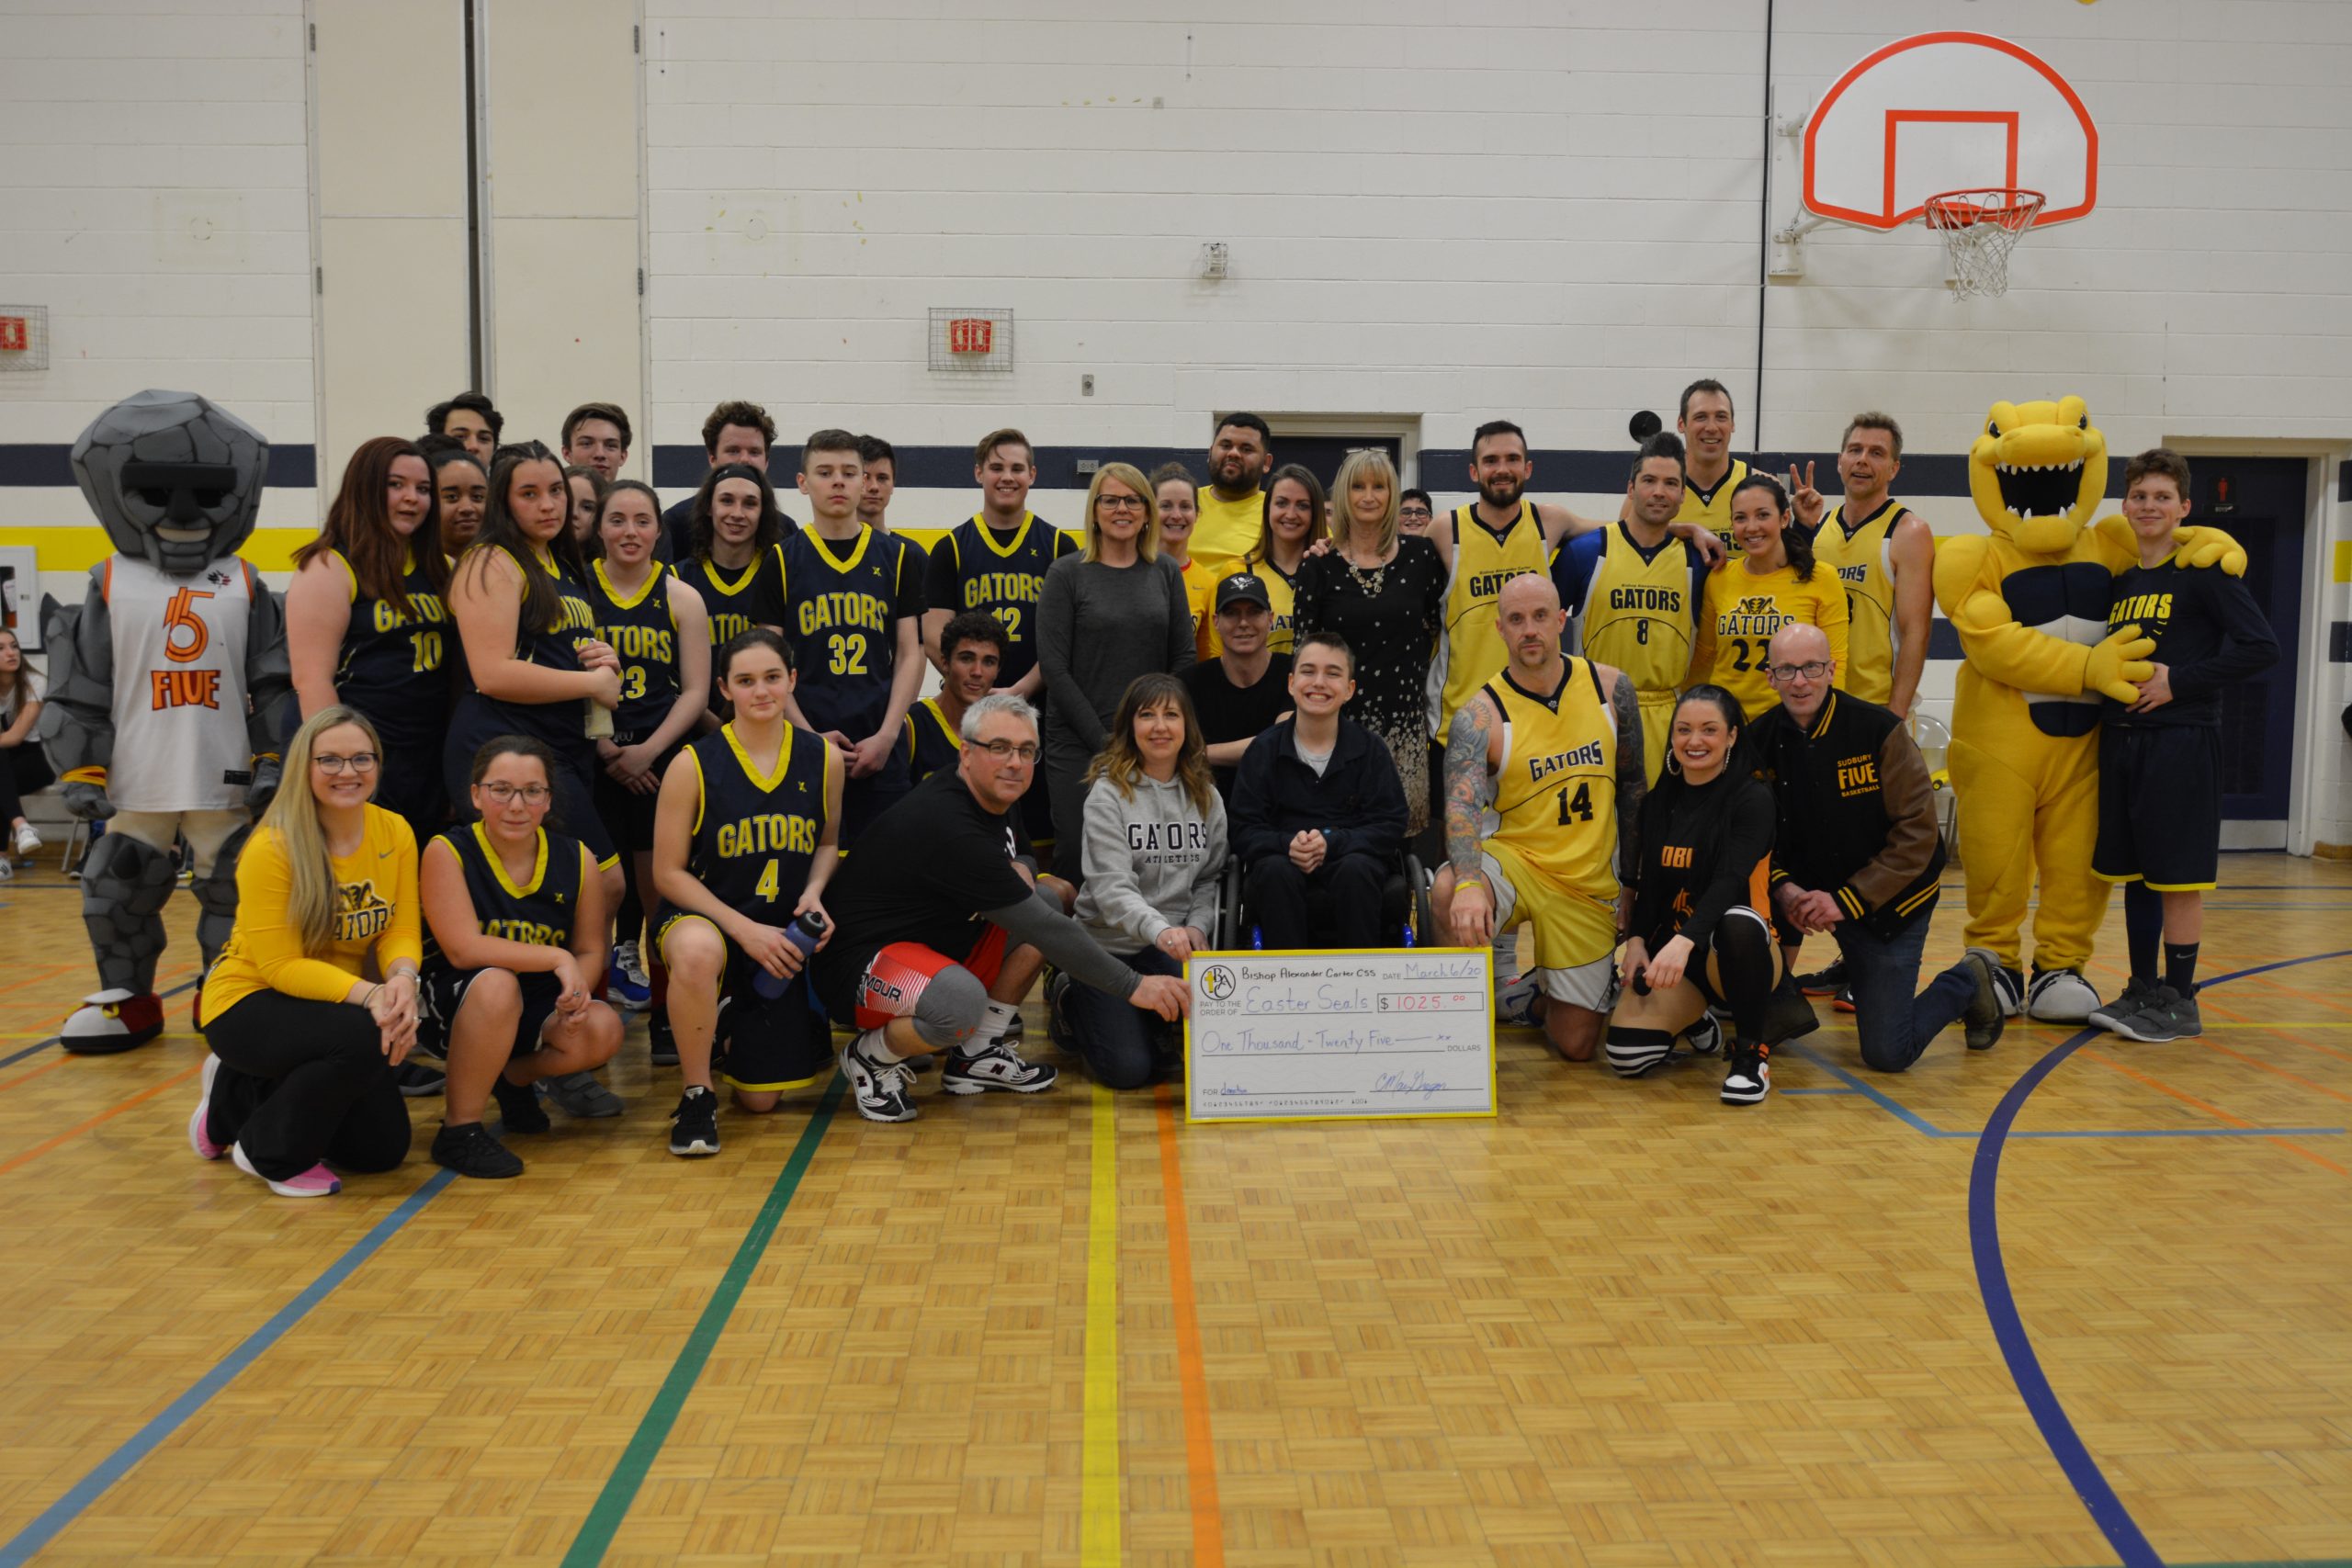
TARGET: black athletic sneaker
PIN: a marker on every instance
(878, 1088)
(1787, 1015)
(518, 1107)
(1824, 982)
(2137, 994)
(1985, 1017)
(471, 1150)
(1059, 1031)
(693, 1126)
(657, 1030)
(416, 1079)
(995, 1066)
(1747, 1074)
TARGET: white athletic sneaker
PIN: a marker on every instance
(2060, 995)
(994, 1066)
(28, 841)
(879, 1088)
(1515, 999)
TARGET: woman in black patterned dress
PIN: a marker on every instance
(1385, 593)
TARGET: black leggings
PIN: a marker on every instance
(24, 770)
(1742, 954)
(303, 1081)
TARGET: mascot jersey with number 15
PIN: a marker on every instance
(164, 691)
(2030, 602)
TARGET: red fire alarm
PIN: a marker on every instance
(965, 334)
(16, 336)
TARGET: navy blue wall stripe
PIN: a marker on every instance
(2344, 483)
(2339, 642)
(34, 463)
(1558, 469)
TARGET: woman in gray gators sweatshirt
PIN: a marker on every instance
(1154, 846)
(1106, 615)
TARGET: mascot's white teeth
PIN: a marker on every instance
(183, 535)
(2039, 490)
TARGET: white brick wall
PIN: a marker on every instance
(1487, 207)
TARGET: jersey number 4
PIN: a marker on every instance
(766, 886)
(1578, 808)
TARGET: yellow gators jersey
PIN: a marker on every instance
(1861, 559)
(1742, 612)
(1712, 507)
(1471, 652)
(1553, 826)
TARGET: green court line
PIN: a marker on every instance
(612, 1504)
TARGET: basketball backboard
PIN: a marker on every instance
(1940, 112)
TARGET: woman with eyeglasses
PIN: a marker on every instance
(300, 1081)
(1109, 613)
(366, 626)
(517, 919)
(1776, 583)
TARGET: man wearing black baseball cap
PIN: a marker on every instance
(1245, 690)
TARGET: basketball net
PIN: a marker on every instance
(1979, 229)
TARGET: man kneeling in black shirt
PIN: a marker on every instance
(940, 930)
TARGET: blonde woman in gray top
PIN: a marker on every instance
(1116, 610)
(1154, 847)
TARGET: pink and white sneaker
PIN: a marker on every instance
(316, 1182)
(200, 1120)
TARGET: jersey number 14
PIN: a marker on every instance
(1578, 808)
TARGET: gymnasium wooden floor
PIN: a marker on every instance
(2062, 1304)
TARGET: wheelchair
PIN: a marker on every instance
(1405, 915)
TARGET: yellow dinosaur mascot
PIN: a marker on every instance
(2030, 603)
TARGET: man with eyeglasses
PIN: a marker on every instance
(1856, 855)
(1415, 512)
(940, 930)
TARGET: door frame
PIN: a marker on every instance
(2308, 644)
(1404, 429)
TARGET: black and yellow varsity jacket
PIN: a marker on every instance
(1857, 811)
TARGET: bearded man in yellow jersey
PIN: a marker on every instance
(1500, 536)
(1543, 784)
(1885, 555)
(1232, 507)
(1638, 590)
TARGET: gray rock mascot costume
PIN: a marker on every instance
(164, 691)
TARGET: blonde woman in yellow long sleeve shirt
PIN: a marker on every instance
(303, 1042)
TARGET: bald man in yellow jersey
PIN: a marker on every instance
(1543, 784)
(1885, 555)
(1637, 590)
(1500, 536)
(1232, 506)
(1710, 472)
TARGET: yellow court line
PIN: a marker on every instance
(1098, 1541)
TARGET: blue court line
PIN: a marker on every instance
(1928, 1129)
(25, 1543)
(2082, 1471)
(35, 1050)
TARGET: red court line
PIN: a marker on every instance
(1200, 1457)
(51, 973)
(37, 1072)
(16, 1161)
(2213, 1111)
